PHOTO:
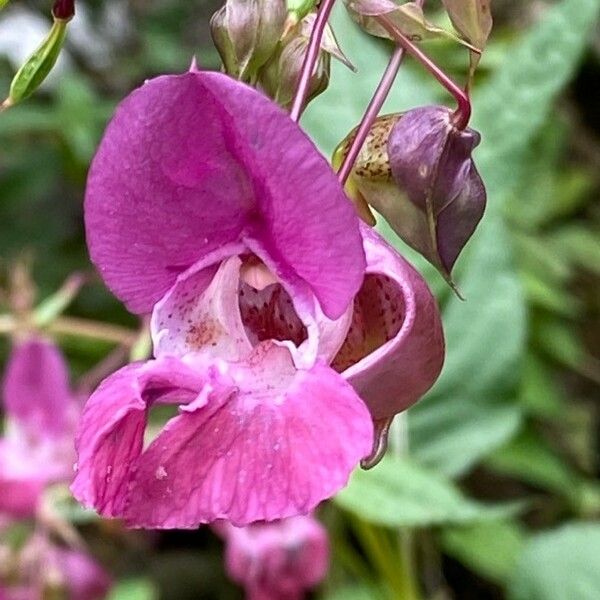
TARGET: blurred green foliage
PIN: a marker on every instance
(505, 446)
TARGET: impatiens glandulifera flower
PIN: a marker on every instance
(198, 179)
(416, 170)
(246, 33)
(279, 560)
(209, 206)
(41, 413)
(279, 77)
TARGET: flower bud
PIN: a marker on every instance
(279, 77)
(416, 170)
(246, 33)
(63, 10)
(30, 76)
(278, 559)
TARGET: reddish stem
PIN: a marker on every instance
(381, 93)
(310, 58)
(463, 112)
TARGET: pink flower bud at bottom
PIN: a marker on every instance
(281, 559)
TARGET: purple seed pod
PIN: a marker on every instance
(431, 162)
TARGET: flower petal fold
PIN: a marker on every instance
(192, 162)
(111, 431)
(394, 350)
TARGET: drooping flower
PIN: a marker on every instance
(394, 349)
(279, 560)
(41, 413)
(207, 205)
(199, 178)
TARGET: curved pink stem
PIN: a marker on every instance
(310, 58)
(381, 93)
(463, 112)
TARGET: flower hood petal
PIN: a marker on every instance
(111, 431)
(195, 161)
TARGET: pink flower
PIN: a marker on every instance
(279, 560)
(41, 413)
(207, 205)
(41, 569)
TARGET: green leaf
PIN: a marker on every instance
(515, 102)
(539, 394)
(133, 589)
(581, 245)
(529, 457)
(558, 340)
(466, 414)
(453, 433)
(563, 564)
(485, 336)
(552, 191)
(489, 548)
(401, 493)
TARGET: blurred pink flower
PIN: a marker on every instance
(41, 414)
(42, 569)
(207, 205)
(279, 560)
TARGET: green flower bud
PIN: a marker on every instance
(30, 76)
(246, 33)
(279, 77)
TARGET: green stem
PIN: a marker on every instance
(391, 565)
(74, 327)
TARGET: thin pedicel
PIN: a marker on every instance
(381, 93)
(463, 111)
(310, 58)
